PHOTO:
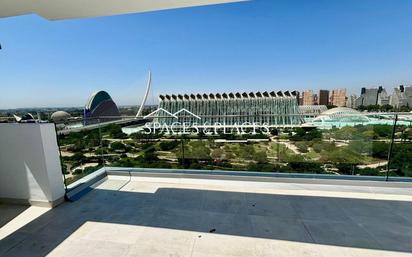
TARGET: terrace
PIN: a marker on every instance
(131, 213)
(140, 210)
(80, 203)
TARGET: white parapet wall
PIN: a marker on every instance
(30, 169)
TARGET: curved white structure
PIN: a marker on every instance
(60, 116)
(341, 114)
(149, 83)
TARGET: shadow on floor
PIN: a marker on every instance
(9, 212)
(370, 224)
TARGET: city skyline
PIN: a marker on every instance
(304, 97)
(273, 45)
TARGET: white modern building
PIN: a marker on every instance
(228, 109)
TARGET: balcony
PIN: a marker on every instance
(337, 185)
(196, 206)
(131, 213)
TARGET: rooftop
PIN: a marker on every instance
(200, 215)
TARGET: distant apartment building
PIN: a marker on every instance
(300, 100)
(372, 96)
(401, 96)
(350, 102)
(323, 97)
(298, 97)
(338, 97)
(315, 99)
(307, 97)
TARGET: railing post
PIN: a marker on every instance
(101, 144)
(61, 164)
(183, 150)
(391, 146)
(278, 148)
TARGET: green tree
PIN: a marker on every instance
(168, 145)
(384, 131)
(323, 146)
(77, 146)
(115, 131)
(306, 135)
(368, 134)
(117, 146)
(246, 151)
(342, 155)
(78, 157)
(360, 147)
(260, 157)
(198, 150)
(407, 134)
(149, 156)
(101, 150)
(302, 147)
(380, 149)
(217, 154)
(305, 167)
(345, 133)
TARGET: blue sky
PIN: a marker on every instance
(249, 46)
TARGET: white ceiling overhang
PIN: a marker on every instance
(69, 9)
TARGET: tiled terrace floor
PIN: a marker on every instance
(197, 217)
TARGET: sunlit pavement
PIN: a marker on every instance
(198, 217)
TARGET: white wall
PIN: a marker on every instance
(30, 168)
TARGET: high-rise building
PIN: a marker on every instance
(338, 97)
(298, 97)
(323, 97)
(350, 102)
(300, 100)
(372, 96)
(315, 99)
(308, 97)
(401, 96)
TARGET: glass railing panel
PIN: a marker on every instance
(344, 145)
(400, 159)
(82, 151)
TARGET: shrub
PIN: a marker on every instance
(78, 157)
(345, 168)
(147, 146)
(302, 147)
(115, 131)
(217, 154)
(168, 145)
(101, 150)
(117, 146)
(317, 147)
(380, 149)
(77, 172)
(89, 170)
(306, 167)
(260, 157)
(306, 135)
(368, 172)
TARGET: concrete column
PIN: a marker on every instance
(30, 169)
